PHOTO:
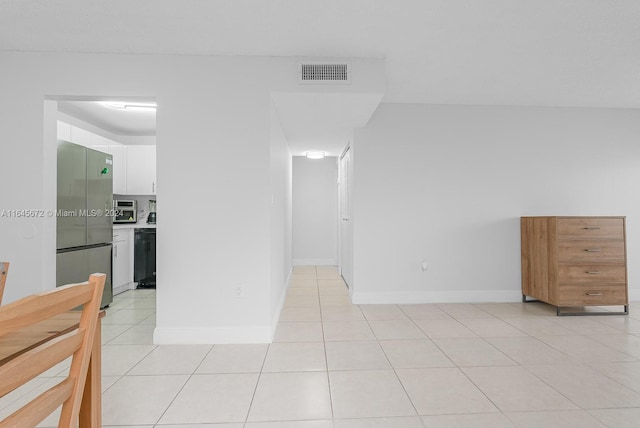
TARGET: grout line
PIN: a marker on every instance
(174, 398)
(255, 389)
(195, 371)
(395, 372)
(324, 346)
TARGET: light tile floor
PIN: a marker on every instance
(337, 365)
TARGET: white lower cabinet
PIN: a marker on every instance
(122, 268)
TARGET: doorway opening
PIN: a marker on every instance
(120, 132)
(345, 240)
(322, 213)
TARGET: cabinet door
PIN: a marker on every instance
(141, 170)
(119, 153)
(121, 259)
(100, 143)
(81, 137)
(64, 131)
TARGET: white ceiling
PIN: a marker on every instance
(120, 122)
(582, 53)
(322, 121)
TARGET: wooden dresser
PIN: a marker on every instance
(575, 261)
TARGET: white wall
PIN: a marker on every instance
(213, 140)
(214, 155)
(447, 184)
(25, 167)
(281, 177)
(315, 213)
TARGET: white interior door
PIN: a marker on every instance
(346, 235)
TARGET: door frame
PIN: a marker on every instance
(345, 214)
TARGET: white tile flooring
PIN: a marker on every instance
(336, 365)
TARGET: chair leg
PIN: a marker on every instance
(91, 407)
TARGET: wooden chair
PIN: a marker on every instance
(4, 269)
(78, 343)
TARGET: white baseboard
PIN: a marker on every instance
(314, 262)
(411, 297)
(123, 288)
(222, 335)
(212, 335)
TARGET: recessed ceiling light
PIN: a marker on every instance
(315, 155)
(118, 105)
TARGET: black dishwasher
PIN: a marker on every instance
(144, 258)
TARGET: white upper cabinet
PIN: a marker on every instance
(64, 131)
(141, 170)
(82, 137)
(100, 143)
(119, 153)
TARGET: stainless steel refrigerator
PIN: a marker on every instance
(84, 221)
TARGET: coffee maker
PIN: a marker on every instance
(151, 218)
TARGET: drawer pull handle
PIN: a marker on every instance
(593, 272)
(593, 250)
(591, 228)
(593, 294)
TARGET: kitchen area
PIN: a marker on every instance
(107, 165)
(134, 243)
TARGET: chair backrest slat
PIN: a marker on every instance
(32, 310)
(37, 361)
(34, 412)
(38, 307)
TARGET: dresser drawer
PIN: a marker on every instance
(595, 295)
(591, 273)
(590, 250)
(591, 228)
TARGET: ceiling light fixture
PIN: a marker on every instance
(130, 106)
(315, 155)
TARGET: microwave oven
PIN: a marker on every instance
(125, 211)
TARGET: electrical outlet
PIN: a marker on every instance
(239, 291)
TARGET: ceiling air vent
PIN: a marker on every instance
(324, 73)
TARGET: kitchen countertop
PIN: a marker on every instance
(139, 225)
